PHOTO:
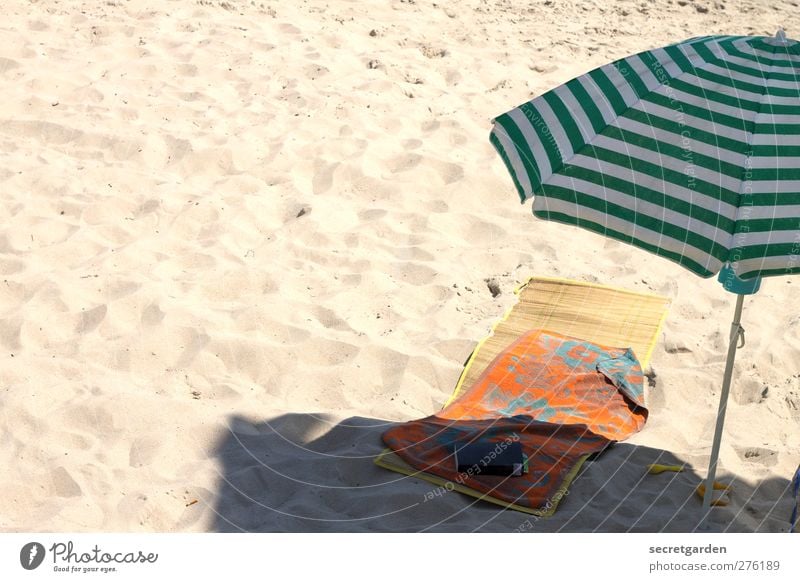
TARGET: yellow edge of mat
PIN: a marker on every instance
(507, 314)
(587, 284)
(478, 347)
(560, 493)
(646, 362)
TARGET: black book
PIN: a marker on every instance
(484, 458)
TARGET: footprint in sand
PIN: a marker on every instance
(90, 319)
(458, 139)
(6, 246)
(403, 163)
(147, 207)
(371, 214)
(758, 455)
(423, 376)
(196, 262)
(121, 288)
(473, 229)
(81, 415)
(413, 273)
(294, 98)
(152, 315)
(621, 259)
(10, 329)
(208, 161)
(429, 126)
(191, 344)
(287, 28)
(88, 95)
(63, 484)
(412, 144)
(455, 349)
(428, 299)
(187, 69)
(452, 77)
(73, 440)
(654, 392)
(44, 131)
(314, 71)
(22, 427)
(255, 362)
(392, 366)
(220, 392)
(195, 512)
(176, 148)
(191, 96)
(37, 25)
(143, 450)
(323, 176)
(7, 64)
(436, 206)
(747, 390)
(325, 352)
(329, 319)
(372, 189)
(449, 172)
(411, 253)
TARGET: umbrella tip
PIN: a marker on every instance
(780, 36)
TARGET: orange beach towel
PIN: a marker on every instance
(562, 398)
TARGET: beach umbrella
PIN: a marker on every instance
(690, 151)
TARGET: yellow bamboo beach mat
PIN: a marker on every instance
(574, 311)
(596, 313)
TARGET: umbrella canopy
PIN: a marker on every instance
(691, 152)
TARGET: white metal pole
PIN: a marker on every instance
(723, 403)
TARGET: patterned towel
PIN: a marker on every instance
(562, 398)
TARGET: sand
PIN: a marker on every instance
(238, 239)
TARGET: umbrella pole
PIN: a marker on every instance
(723, 403)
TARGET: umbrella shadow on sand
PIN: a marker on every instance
(308, 473)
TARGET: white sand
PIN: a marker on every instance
(237, 238)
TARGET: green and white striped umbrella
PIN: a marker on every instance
(691, 152)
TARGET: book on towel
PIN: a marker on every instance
(485, 458)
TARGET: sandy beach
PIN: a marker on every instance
(239, 240)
